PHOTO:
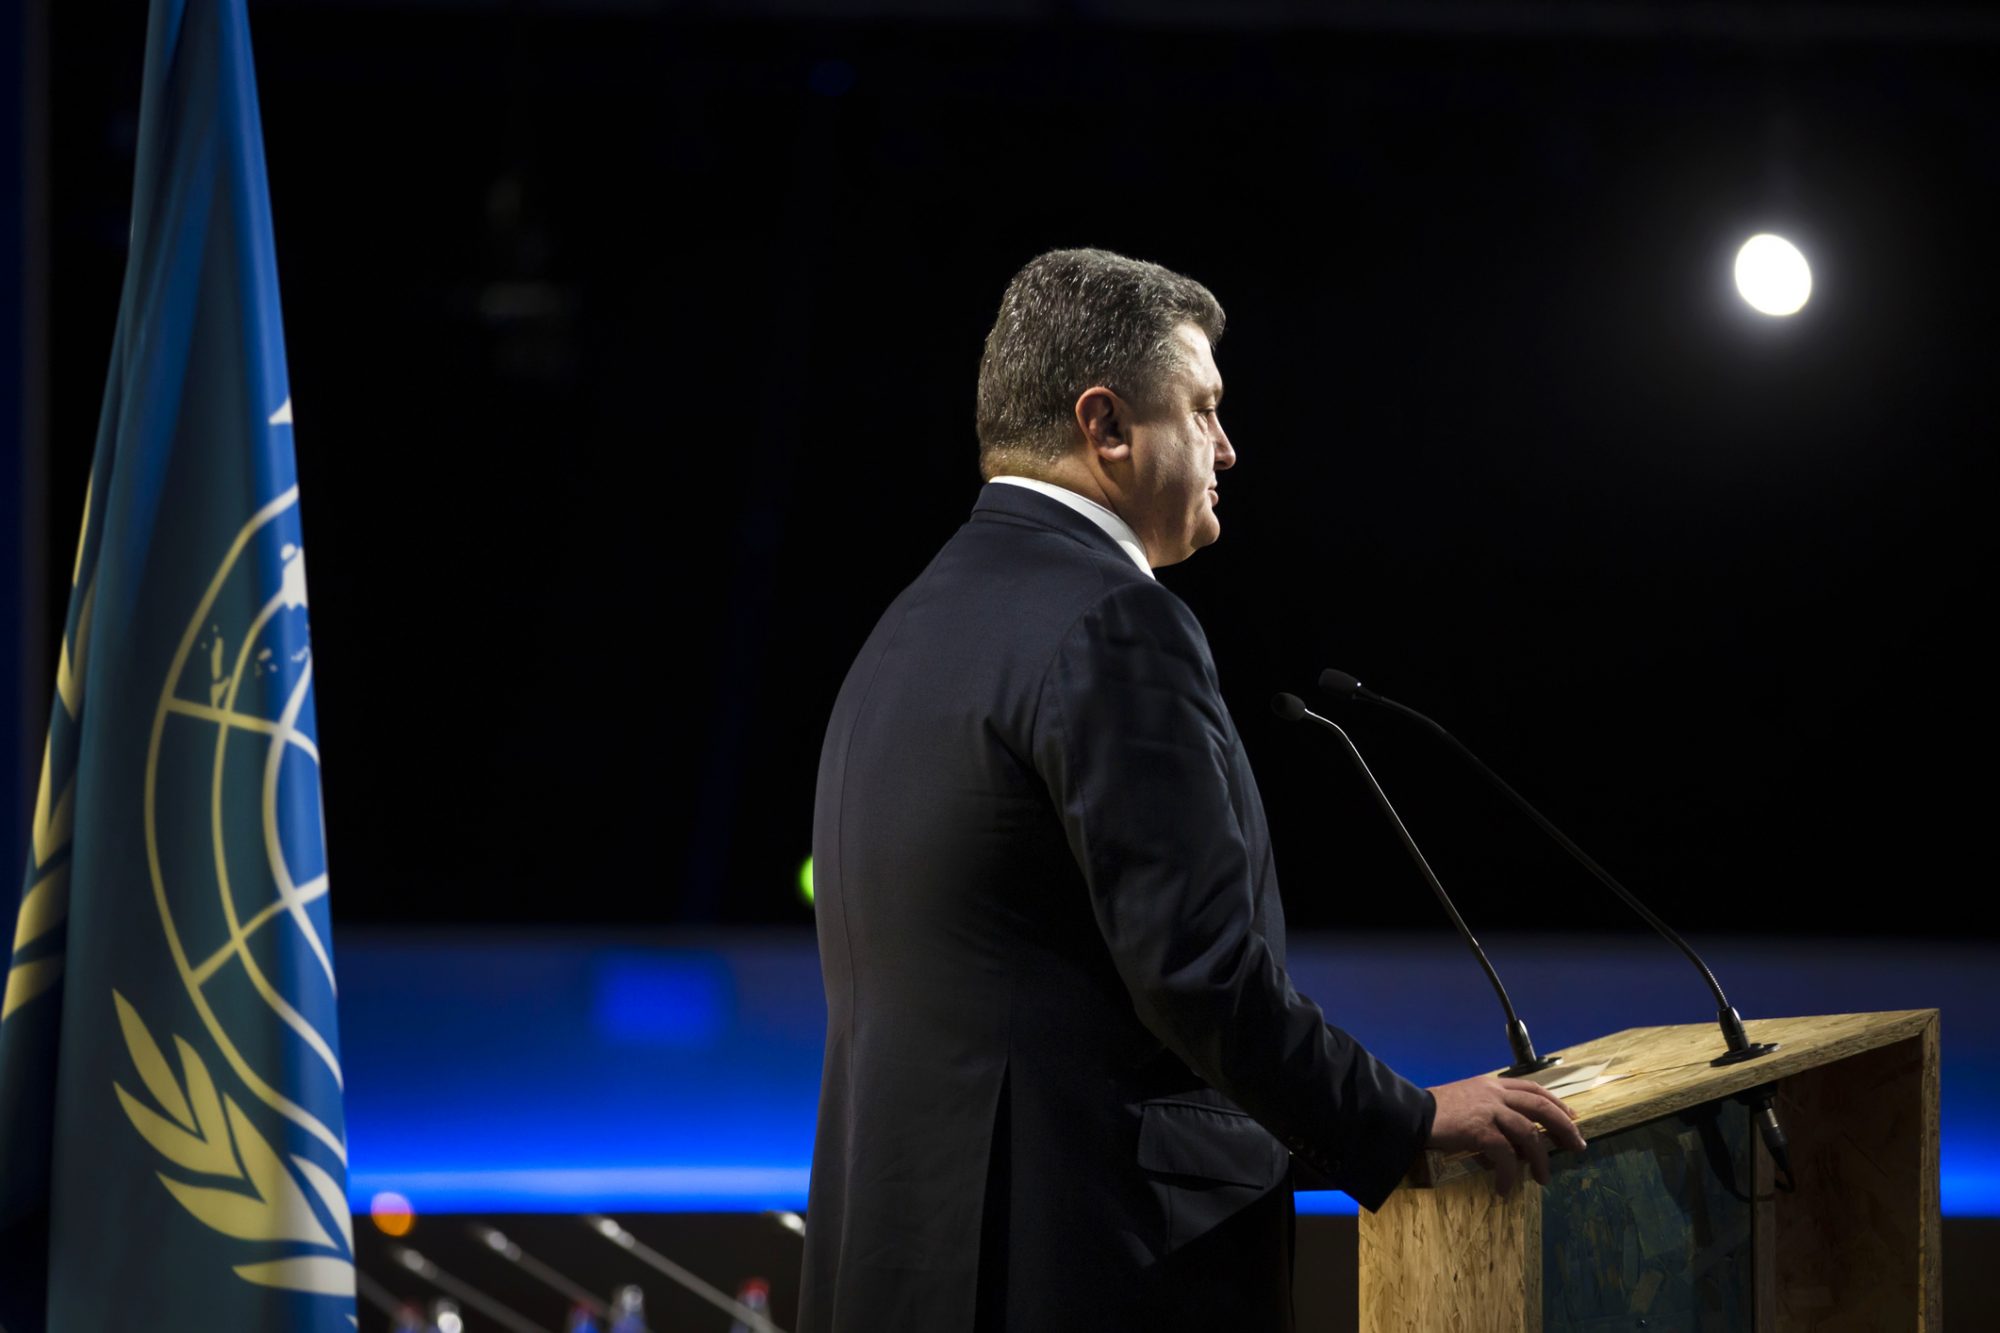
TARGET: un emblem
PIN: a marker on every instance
(236, 850)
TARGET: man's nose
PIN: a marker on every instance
(1225, 452)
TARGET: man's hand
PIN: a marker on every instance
(1506, 1121)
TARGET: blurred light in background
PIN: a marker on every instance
(1772, 275)
(676, 997)
(534, 1097)
(391, 1213)
(806, 881)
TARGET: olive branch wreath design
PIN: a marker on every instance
(205, 1132)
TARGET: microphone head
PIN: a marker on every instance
(1288, 706)
(1338, 682)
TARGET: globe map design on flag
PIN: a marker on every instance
(234, 831)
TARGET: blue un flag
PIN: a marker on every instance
(172, 1149)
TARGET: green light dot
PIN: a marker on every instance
(806, 881)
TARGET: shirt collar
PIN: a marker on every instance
(1114, 527)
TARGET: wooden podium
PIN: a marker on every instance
(1670, 1220)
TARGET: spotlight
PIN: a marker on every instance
(1772, 275)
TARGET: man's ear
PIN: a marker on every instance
(1105, 421)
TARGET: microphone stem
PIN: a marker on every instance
(1732, 1024)
(1523, 1048)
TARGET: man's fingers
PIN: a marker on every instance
(1558, 1120)
(1507, 1122)
(1537, 1090)
(1527, 1141)
(1558, 1103)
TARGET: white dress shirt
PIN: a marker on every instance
(1114, 527)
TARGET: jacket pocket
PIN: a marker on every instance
(1209, 1143)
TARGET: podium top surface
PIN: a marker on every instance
(1662, 1070)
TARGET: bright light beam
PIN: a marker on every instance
(1772, 275)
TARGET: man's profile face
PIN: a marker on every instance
(1178, 448)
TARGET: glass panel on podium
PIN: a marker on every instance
(1651, 1228)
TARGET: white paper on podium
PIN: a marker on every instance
(1567, 1081)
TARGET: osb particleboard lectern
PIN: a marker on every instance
(1671, 1220)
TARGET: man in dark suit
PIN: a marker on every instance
(1066, 1075)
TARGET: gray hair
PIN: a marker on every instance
(1069, 320)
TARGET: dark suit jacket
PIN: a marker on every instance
(1064, 1064)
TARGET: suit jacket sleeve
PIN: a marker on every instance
(1133, 740)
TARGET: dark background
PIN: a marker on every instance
(633, 350)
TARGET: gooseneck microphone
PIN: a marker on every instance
(1763, 1113)
(1740, 1047)
(1292, 709)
